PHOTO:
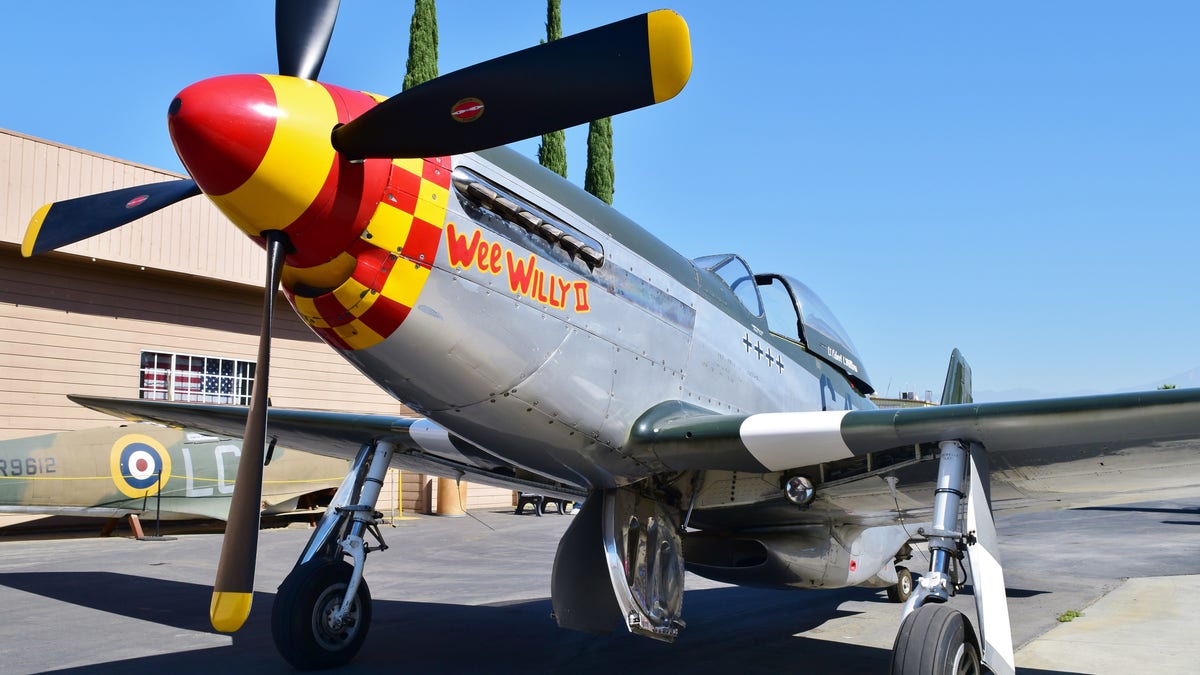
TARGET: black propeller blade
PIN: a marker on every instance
(66, 222)
(601, 72)
(302, 32)
(234, 587)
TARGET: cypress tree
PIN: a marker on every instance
(422, 45)
(600, 176)
(552, 152)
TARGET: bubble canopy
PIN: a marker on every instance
(792, 311)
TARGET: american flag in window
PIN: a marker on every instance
(169, 376)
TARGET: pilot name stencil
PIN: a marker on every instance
(525, 278)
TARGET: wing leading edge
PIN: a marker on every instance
(422, 445)
(679, 437)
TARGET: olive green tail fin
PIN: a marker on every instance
(958, 381)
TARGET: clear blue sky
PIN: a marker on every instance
(1021, 181)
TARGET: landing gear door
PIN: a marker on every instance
(644, 552)
(641, 555)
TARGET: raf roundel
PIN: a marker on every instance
(139, 465)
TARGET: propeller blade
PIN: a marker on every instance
(233, 590)
(601, 72)
(302, 32)
(61, 223)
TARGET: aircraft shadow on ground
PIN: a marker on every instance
(733, 630)
(1184, 511)
(1011, 593)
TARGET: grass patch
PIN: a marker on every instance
(1069, 615)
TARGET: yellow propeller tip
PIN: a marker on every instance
(670, 53)
(31, 232)
(229, 610)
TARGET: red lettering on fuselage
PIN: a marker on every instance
(581, 297)
(495, 253)
(524, 276)
(461, 253)
(520, 272)
(562, 286)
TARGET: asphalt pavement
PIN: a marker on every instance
(471, 595)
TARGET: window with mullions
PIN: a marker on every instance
(167, 376)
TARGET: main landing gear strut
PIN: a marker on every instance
(322, 609)
(933, 637)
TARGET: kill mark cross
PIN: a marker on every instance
(772, 359)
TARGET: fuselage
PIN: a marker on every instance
(485, 292)
(524, 347)
(171, 473)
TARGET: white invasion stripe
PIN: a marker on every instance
(787, 440)
(435, 440)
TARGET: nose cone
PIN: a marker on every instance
(258, 145)
(222, 128)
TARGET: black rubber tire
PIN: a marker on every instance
(936, 640)
(903, 587)
(308, 593)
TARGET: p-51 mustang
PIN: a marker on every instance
(716, 419)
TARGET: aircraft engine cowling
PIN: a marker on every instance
(259, 147)
(808, 557)
(362, 235)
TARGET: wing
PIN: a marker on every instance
(421, 445)
(1109, 447)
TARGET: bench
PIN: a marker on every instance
(540, 503)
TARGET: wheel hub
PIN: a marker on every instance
(330, 631)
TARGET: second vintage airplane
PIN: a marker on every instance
(151, 470)
(717, 419)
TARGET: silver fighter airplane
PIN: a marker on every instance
(716, 419)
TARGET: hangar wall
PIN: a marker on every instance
(191, 237)
(183, 281)
(73, 326)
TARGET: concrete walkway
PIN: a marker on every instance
(1148, 620)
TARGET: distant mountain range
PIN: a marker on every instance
(1184, 380)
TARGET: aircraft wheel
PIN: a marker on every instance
(301, 618)
(936, 640)
(903, 587)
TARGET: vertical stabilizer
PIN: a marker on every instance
(958, 381)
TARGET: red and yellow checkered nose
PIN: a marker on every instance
(364, 235)
(259, 147)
